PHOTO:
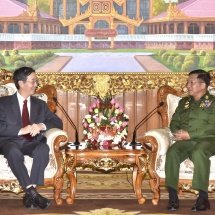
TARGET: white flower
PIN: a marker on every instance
(89, 135)
(96, 115)
(126, 116)
(108, 138)
(103, 117)
(84, 131)
(88, 116)
(124, 132)
(91, 125)
(116, 139)
(101, 137)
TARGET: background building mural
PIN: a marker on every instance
(177, 35)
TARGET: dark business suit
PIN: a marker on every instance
(14, 147)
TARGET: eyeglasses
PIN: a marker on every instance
(33, 82)
(194, 82)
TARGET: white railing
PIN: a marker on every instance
(128, 37)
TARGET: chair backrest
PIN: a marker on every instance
(46, 93)
(170, 97)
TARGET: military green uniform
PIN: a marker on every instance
(198, 119)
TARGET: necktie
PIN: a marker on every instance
(26, 120)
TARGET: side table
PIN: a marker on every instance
(107, 161)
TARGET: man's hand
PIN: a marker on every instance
(32, 129)
(181, 135)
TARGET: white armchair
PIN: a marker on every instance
(56, 139)
(157, 141)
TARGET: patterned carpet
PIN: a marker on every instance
(91, 185)
(102, 194)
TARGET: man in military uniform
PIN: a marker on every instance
(193, 128)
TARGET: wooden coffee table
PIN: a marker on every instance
(107, 161)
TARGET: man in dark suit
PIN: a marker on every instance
(21, 134)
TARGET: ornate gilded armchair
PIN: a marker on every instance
(157, 142)
(56, 139)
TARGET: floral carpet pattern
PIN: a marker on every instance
(92, 185)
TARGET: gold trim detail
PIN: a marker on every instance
(105, 165)
(145, 162)
(5, 75)
(115, 83)
(119, 2)
(11, 187)
(174, 12)
(83, 2)
(78, 18)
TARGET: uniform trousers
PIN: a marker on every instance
(14, 153)
(199, 151)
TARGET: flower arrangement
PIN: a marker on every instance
(106, 124)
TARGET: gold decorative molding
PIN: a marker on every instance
(11, 187)
(105, 165)
(5, 75)
(32, 11)
(83, 2)
(101, 84)
(67, 22)
(174, 12)
(115, 83)
(145, 162)
(119, 2)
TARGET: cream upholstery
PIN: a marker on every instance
(56, 139)
(158, 141)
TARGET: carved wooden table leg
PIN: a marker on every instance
(70, 171)
(58, 189)
(155, 189)
(134, 177)
(142, 164)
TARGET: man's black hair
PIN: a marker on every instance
(203, 75)
(21, 74)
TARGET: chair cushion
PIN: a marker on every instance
(3, 91)
(10, 89)
(172, 103)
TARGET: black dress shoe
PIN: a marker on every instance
(201, 204)
(173, 203)
(41, 201)
(28, 203)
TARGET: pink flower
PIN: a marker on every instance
(112, 119)
(90, 109)
(121, 109)
(112, 101)
(97, 119)
(105, 143)
(124, 124)
(85, 125)
(94, 105)
(116, 105)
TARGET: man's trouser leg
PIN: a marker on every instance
(176, 154)
(200, 155)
